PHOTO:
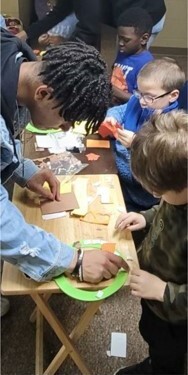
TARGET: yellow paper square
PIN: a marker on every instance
(64, 187)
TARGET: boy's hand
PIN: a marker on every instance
(37, 181)
(125, 137)
(44, 40)
(146, 285)
(99, 265)
(131, 220)
(111, 120)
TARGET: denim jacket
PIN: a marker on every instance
(35, 252)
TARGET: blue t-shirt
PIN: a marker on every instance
(126, 69)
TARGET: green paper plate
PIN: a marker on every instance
(31, 128)
(91, 295)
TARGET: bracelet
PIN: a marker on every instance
(77, 272)
(80, 272)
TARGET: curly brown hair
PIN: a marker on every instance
(159, 153)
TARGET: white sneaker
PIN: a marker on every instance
(5, 306)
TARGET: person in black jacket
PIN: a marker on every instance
(91, 14)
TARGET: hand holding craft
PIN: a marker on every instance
(37, 181)
(98, 265)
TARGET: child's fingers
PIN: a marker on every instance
(120, 219)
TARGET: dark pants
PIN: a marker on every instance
(167, 342)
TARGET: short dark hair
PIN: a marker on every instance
(138, 18)
(159, 153)
(79, 78)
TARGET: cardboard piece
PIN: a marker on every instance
(96, 218)
(97, 143)
(80, 190)
(68, 202)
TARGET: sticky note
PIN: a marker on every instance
(108, 246)
(64, 187)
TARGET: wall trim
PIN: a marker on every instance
(169, 51)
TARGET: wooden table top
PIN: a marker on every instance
(69, 229)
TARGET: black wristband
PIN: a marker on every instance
(77, 269)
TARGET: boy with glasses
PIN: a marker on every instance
(159, 83)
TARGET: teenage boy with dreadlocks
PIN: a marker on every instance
(70, 83)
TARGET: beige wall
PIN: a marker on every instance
(18, 8)
(174, 33)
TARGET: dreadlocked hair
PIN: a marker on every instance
(80, 82)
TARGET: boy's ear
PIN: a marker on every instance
(43, 92)
(144, 39)
(174, 95)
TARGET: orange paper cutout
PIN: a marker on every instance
(107, 129)
(92, 157)
(118, 79)
(110, 247)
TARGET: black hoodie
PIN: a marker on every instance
(90, 13)
(13, 53)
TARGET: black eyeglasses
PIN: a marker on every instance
(147, 98)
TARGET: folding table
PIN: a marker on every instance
(69, 230)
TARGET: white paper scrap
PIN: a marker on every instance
(121, 208)
(38, 148)
(99, 294)
(118, 344)
(44, 141)
(56, 215)
(104, 193)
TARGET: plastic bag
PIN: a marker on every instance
(61, 164)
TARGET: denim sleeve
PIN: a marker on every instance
(24, 172)
(35, 252)
(118, 112)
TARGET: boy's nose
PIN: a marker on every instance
(142, 101)
(121, 43)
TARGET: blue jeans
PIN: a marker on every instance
(66, 27)
(155, 31)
